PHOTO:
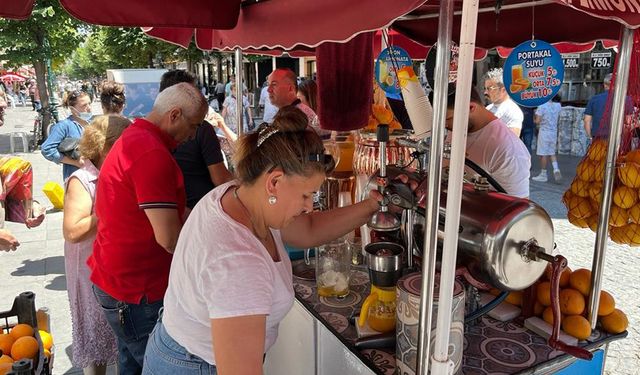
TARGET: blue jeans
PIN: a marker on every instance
(132, 324)
(164, 356)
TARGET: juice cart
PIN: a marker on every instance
(318, 330)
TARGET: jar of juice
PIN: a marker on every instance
(379, 309)
(333, 266)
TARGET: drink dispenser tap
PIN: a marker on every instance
(383, 220)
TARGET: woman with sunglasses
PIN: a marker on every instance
(230, 283)
(79, 103)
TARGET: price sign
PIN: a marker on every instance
(570, 60)
(601, 60)
(533, 73)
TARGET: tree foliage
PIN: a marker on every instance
(23, 42)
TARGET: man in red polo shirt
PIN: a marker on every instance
(140, 203)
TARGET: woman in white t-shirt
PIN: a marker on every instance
(230, 282)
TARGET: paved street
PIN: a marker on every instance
(38, 265)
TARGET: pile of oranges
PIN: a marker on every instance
(20, 343)
(381, 115)
(585, 194)
(574, 292)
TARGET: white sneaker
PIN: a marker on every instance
(540, 178)
(557, 175)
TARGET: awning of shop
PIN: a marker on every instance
(16, 9)
(302, 24)
(566, 47)
(519, 20)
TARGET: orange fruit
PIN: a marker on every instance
(571, 302)
(514, 88)
(580, 223)
(514, 298)
(576, 326)
(21, 330)
(634, 213)
(592, 221)
(600, 171)
(633, 156)
(607, 304)
(597, 150)
(564, 276)
(6, 341)
(538, 308)
(24, 347)
(6, 359)
(620, 235)
(629, 174)
(618, 216)
(547, 315)
(616, 322)
(544, 293)
(595, 192)
(586, 171)
(580, 280)
(580, 187)
(624, 196)
(47, 339)
(580, 207)
(5, 367)
(382, 114)
(631, 232)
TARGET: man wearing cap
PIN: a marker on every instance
(501, 104)
(140, 205)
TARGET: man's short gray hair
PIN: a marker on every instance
(182, 95)
(495, 75)
(607, 78)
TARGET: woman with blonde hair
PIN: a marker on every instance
(94, 344)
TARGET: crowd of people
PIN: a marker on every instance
(174, 250)
(198, 227)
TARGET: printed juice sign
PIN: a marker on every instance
(533, 73)
(389, 62)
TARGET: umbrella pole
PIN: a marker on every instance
(441, 78)
(618, 111)
(441, 363)
(239, 93)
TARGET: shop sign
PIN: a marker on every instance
(533, 73)
(601, 60)
(571, 60)
(430, 67)
(389, 61)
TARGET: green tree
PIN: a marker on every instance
(50, 33)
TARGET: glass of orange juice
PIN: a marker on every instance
(516, 73)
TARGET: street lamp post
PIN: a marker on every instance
(53, 103)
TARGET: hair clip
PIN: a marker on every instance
(265, 133)
(320, 158)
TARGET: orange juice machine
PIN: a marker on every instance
(504, 242)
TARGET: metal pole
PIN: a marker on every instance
(53, 103)
(617, 123)
(441, 78)
(441, 364)
(239, 93)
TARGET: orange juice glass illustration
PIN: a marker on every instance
(516, 73)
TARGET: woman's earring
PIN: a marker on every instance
(272, 199)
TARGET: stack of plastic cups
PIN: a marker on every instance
(418, 106)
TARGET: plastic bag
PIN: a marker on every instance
(17, 183)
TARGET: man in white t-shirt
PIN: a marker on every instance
(501, 104)
(283, 91)
(496, 149)
(270, 110)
